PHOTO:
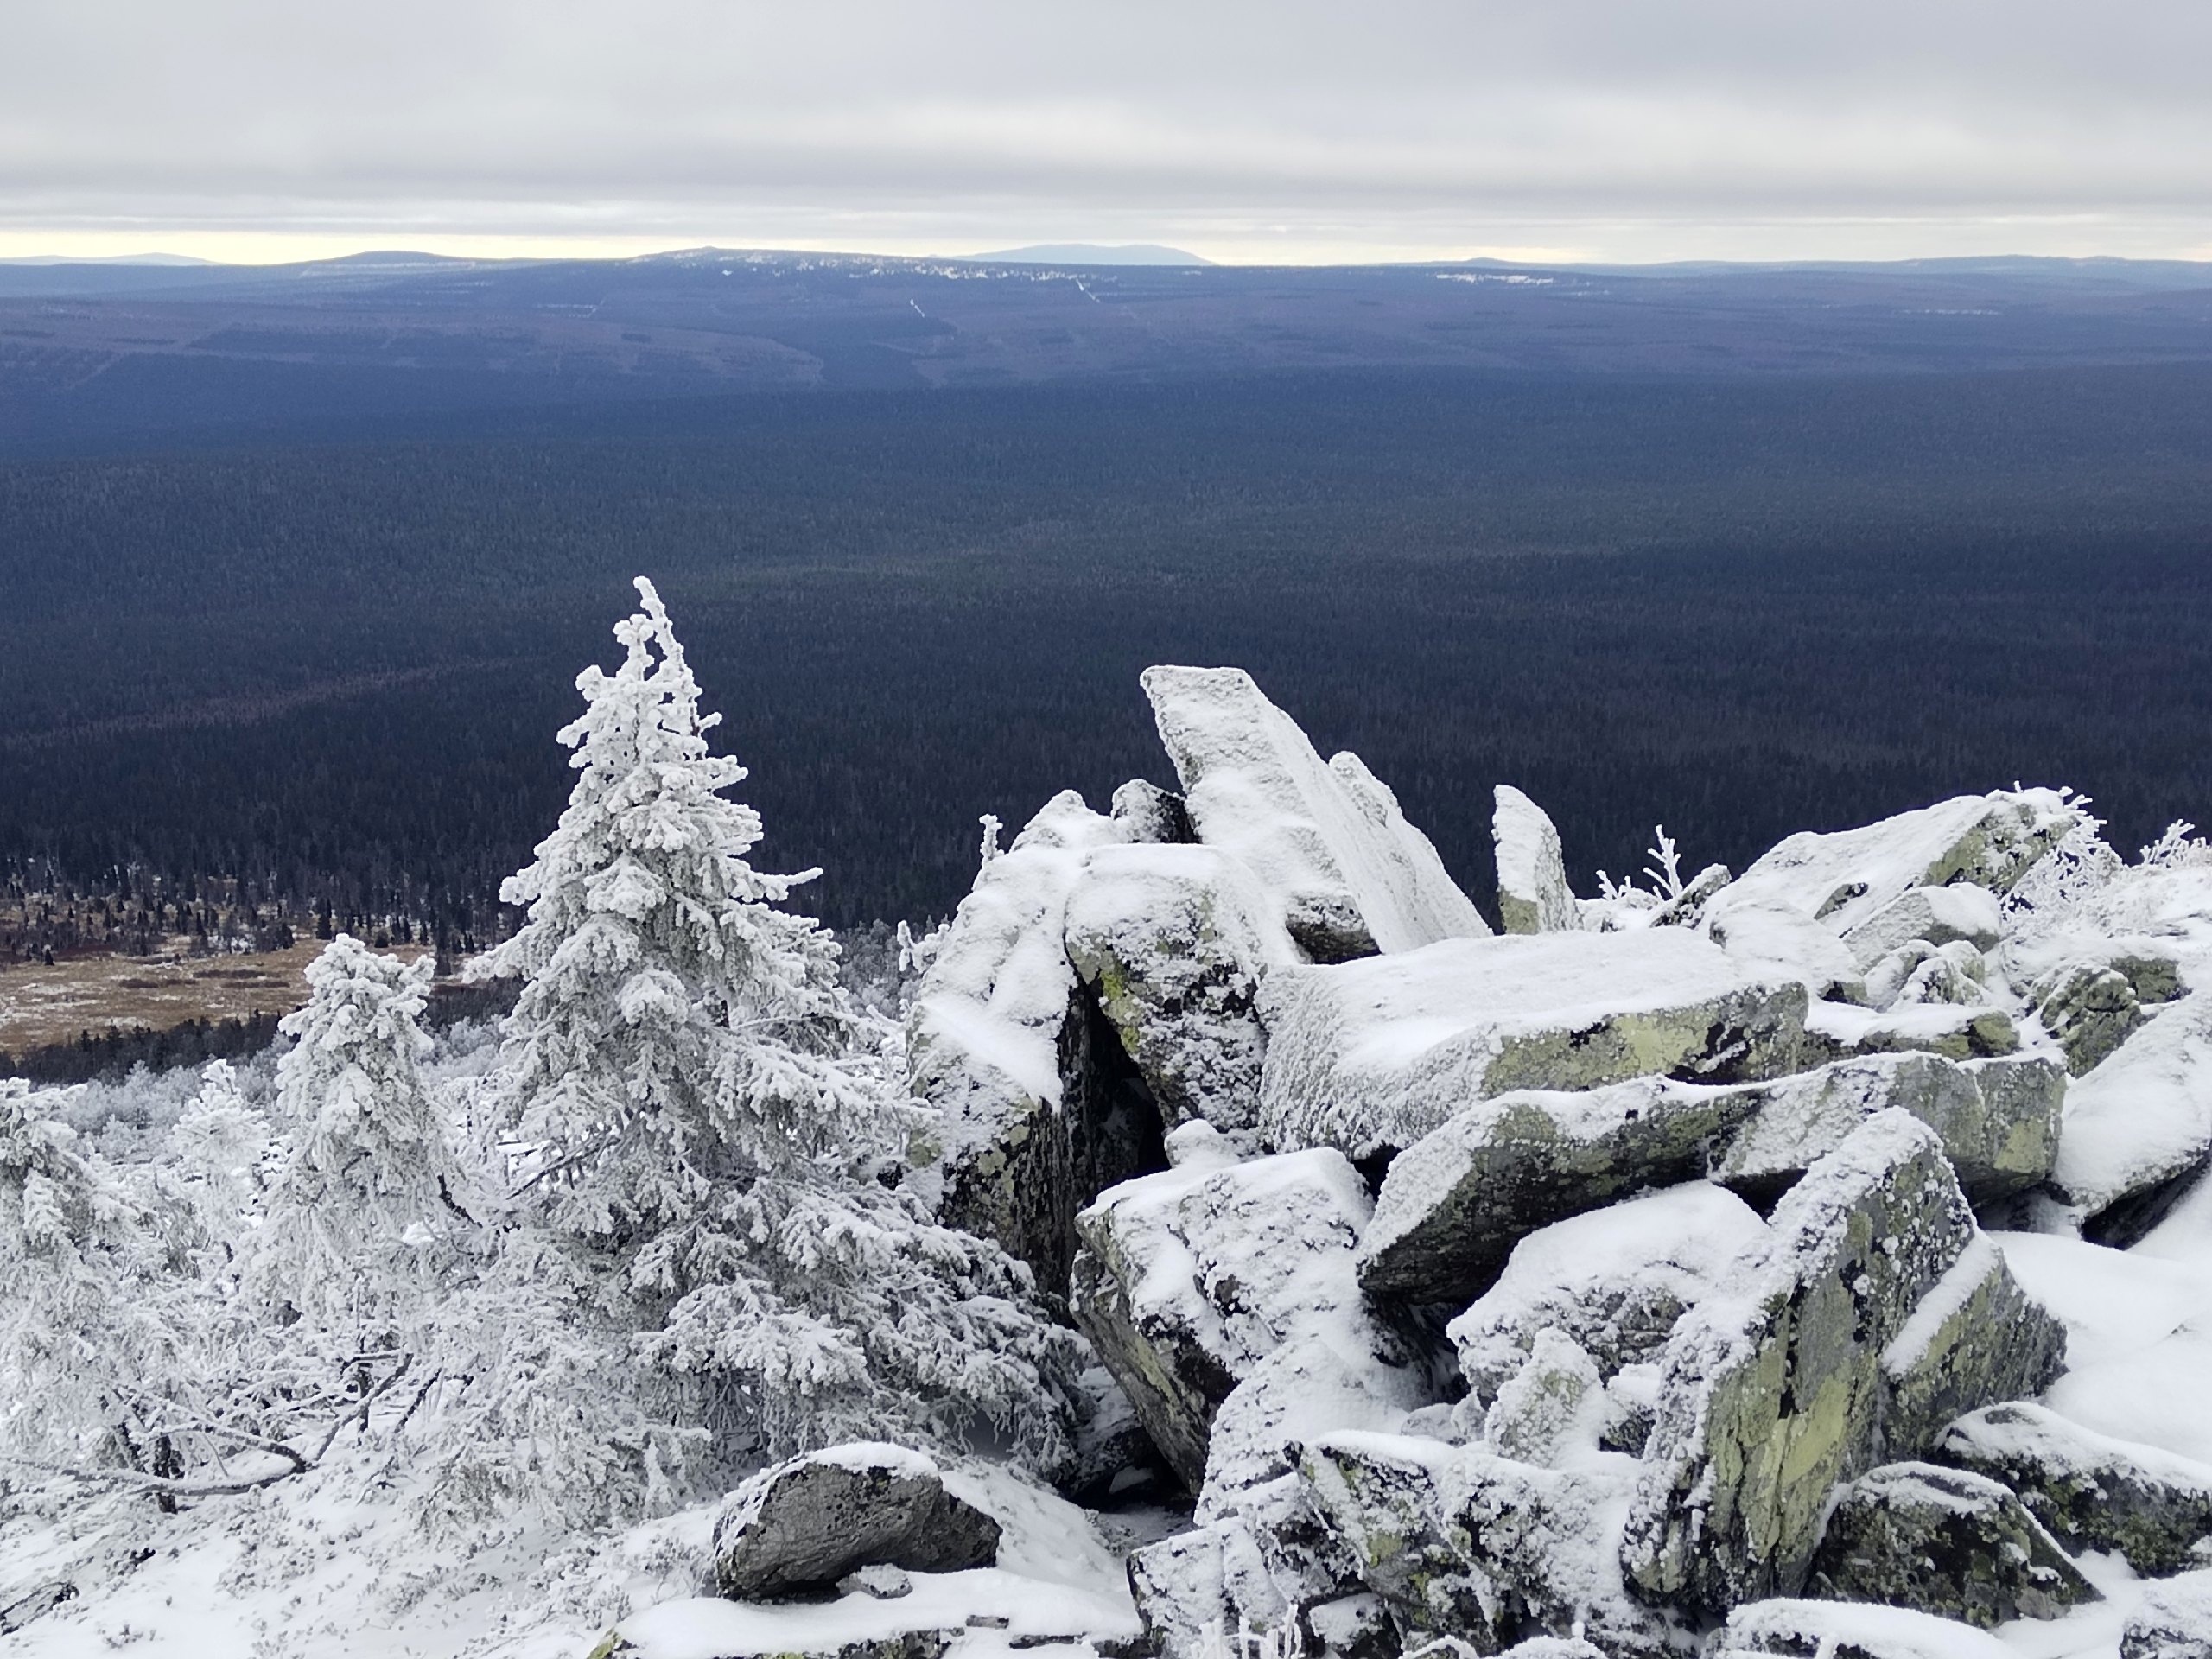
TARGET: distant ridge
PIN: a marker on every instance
(1089, 253)
(105, 259)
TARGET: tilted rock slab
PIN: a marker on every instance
(1345, 872)
(1036, 1120)
(1533, 896)
(1848, 877)
(801, 1526)
(1371, 1056)
(1456, 1201)
(1945, 1541)
(1934, 915)
(2138, 1128)
(1998, 1119)
(1173, 941)
(2090, 1490)
(1186, 1280)
(1876, 1307)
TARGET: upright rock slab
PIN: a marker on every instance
(1533, 896)
(1859, 1312)
(1173, 941)
(1457, 1201)
(1370, 1056)
(1038, 1107)
(798, 1528)
(1345, 872)
(1188, 1279)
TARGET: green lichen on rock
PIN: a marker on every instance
(1944, 1541)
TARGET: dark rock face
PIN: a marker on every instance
(1457, 1201)
(2091, 1492)
(798, 1528)
(1944, 1541)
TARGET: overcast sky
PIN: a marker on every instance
(1593, 129)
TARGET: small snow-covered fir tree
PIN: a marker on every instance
(366, 1187)
(220, 1142)
(696, 1116)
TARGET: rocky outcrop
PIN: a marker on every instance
(1936, 916)
(1533, 896)
(1038, 1109)
(1859, 1323)
(2173, 1622)
(1345, 872)
(1188, 1279)
(2091, 1491)
(1370, 1056)
(1168, 940)
(798, 1528)
(1457, 1201)
(1997, 1120)
(1945, 1541)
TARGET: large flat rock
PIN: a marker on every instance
(1370, 1056)
(1344, 871)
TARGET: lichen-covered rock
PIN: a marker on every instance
(1036, 1107)
(1774, 1393)
(1835, 1031)
(1458, 1541)
(1998, 1119)
(1848, 877)
(1533, 896)
(1192, 1588)
(801, 1526)
(1554, 1401)
(1169, 939)
(2090, 1490)
(2138, 1127)
(2174, 1621)
(2089, 1010)
(1937, 915)
(1946, 1541)
(1974, 1337)
(1369, 1056)
(1345, 872)
(1615, 1280)
(1187, 1279)
(1784, 1629)
(1457, 1200)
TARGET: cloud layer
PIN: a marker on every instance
(1599, 127)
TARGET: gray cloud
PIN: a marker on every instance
(1610, 127)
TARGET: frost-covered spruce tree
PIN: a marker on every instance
(704, 1126)
(363, 1202)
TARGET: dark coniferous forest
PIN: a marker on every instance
(318, 644)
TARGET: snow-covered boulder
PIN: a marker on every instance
(1875, 1305)
(1775, 943)
(1038, 1111)
(1998, 1119)
(1937, 915)
(2173, 1621)
(798, 1528)
(1533, 896)
(1461, 1541)
(1614, 1281)
(1370, 1056)
(1977, 1029)
(1317, 1382)
(1457, 1201)
(1842, 1630)
(2089, 1010)
(1186, 1280)
(1173, 941)
(2138, 1127)
(1848, 877)
(1946, 1541)
(1345, 872)
(2092, 1491)
(1149, 813)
